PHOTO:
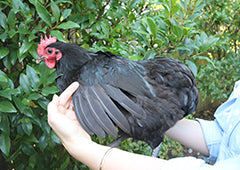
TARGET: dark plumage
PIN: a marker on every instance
(143, 98)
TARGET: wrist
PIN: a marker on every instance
(86, 151)
(74, 143)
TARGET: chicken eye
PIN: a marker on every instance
(56, 52)
(49, 51)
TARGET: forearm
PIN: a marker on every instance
(189, 133)
(91, 154)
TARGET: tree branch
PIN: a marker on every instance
(102, 10)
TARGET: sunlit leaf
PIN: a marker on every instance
(33, 77)
(65, 14)
(6, 106)
(152, 26)
(192, 66)
(58, 34)
(24, 83)
(3, 52)
(43, 13)
(49, 90)
(177, 31)
(55, 11)
(68, 24)
(5, 143)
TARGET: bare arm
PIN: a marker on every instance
(189, 133)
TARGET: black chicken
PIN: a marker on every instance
(142, 98)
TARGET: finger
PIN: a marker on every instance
(67, 94)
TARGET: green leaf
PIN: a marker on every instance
(67, 25)
(43, 13)
(4, 124)
(5, 143)
(33, 161)
(24, 83)
(55, 11)
(65, 164)
(133, 3)
(3, 79)
(150, 54)
(192, 66)
(177, 31)
(11, 18)
(90, 4)
(49, 90)
(28, 149)
(25, 47)
(6, 106)
(167, 13)
(65, 14)
(8, 93)
(33, 77)
(54, 137)
(13, 56)
(31, 138)
(43, 142)
(175, 9)
(17, 4)
(33, 51)
(18, 103)
(3, 20)
(44, 72)
(153, 27)
(34, 96)
(3, 36)
(132, 17)
(7, 63)
(4, 51)
(43, 103)
(58, 35)
(208, 42)
(28, 112)
(27, 126)
(207, 59)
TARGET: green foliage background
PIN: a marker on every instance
(202, 34)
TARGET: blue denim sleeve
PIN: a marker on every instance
(213, 137)
(231, 163)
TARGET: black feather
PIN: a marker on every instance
(111, 109)
(83, 114)
(143, 98)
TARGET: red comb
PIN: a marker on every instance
(44, 43)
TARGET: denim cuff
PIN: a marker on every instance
(213, 137)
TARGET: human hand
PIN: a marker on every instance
(62, 118)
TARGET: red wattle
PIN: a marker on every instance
(50, 63)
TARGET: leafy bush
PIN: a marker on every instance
(225, 72)
(216, 79)
(136, 29)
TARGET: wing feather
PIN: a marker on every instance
(112, 110)
(125, 101)
(99, 114)
(79, 112)
(89, 119)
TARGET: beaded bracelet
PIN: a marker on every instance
(105, 154)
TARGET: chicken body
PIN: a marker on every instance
(142, 98)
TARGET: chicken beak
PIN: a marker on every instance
(40, 59)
